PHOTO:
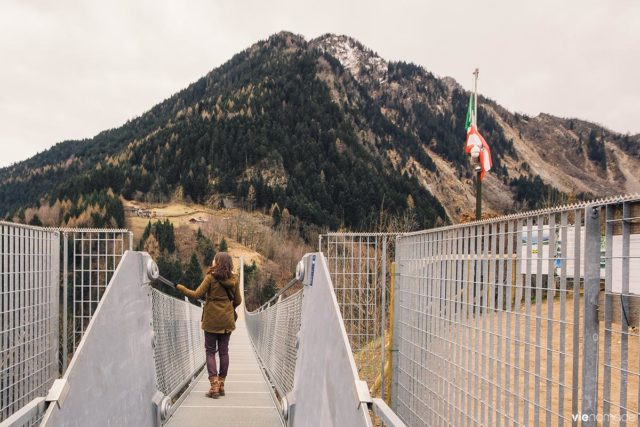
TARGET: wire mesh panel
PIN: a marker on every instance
(491, 319)
(95, 254)
(619, 361)
(488, 322)
(29, 274)
(359, 264)
(273, 331)
(178, 341)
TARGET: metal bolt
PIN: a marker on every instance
(300, 271)
(285, 408)
(165, 406)
(152, 269)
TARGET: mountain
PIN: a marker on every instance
(334, 133)
(531, 155)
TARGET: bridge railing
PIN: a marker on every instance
(178, 342)
(360, 267)
(304, 348)
(40, 267)
(29, 273)
(273, 329)
(139, 351)
(89, 259)
(528, 319)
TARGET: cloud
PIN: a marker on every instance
(72, 69)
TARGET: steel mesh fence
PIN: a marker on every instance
(491, 320)
(619, 363)
(359, 264)
(273, 331)
(178, 341)
(486, 327)
(95, 255)
(29, 273)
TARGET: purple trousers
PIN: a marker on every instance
(219, 343)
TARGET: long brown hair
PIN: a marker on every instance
(222, 266)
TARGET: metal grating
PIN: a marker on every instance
(359, 264)
(29, 274)
(178, 341)
(95, 256)
(497, 321)
(273, 331)
(619, 362)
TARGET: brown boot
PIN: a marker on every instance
(221, 381)
(214, 391)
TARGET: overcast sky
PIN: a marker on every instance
(70, 69)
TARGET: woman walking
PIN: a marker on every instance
(221, 288)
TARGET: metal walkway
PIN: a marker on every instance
(248, 400)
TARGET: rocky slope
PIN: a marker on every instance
(556, 149)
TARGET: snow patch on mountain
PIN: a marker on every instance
(354, 56)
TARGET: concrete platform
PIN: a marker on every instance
(248, 401)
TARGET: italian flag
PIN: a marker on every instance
(474, 139)
(471, 113)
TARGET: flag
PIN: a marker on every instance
(474, 139)
(471, 113)
(485, 159)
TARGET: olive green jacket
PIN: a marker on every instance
(217, 316)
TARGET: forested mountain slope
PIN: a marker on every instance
(335, 134)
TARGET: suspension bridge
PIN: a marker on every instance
(526, 319)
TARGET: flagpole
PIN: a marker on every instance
(477, 168)
(475, 96)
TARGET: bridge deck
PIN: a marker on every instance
(248, 400)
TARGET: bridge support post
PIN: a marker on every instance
(591, 325)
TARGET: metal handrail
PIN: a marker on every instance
(26, 414)
(528, 214)
(275, 297)
(364, 234)
(385, 413)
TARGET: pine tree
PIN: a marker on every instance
(145, 236)
(276, 215)
(208, 253)
(166, 235)
(193, 273)
(223, 246)
(35, 220)
(286, 219)
(268, 291)
(411, 205)
(152, 247)
(251, 197)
